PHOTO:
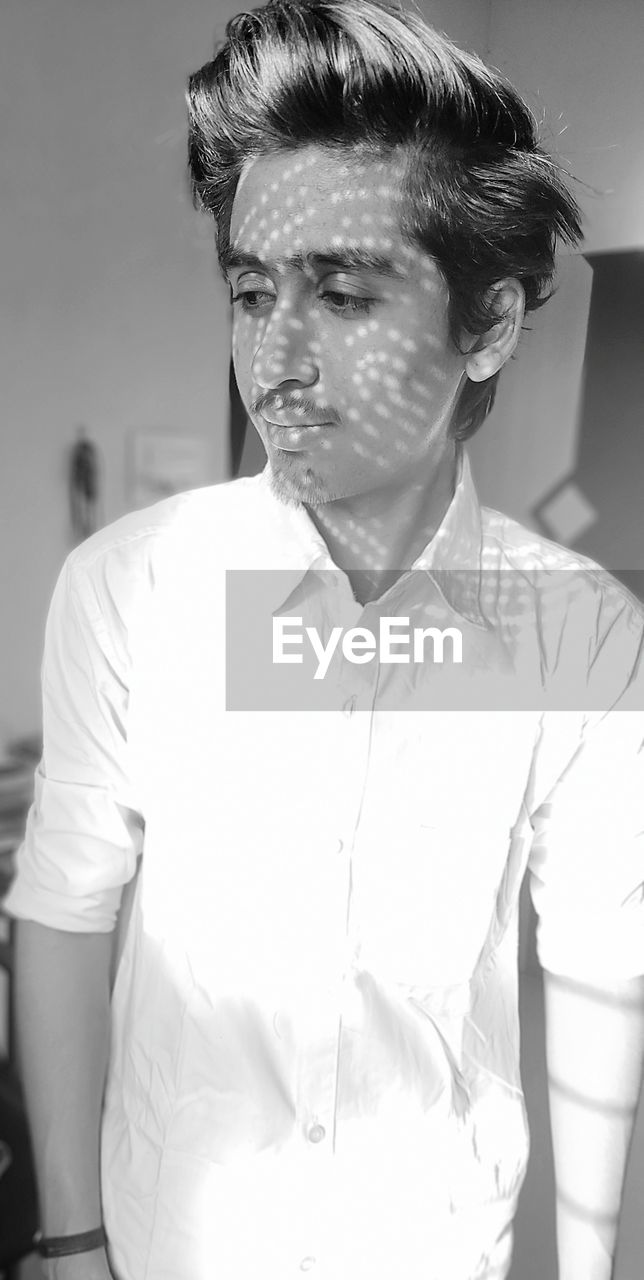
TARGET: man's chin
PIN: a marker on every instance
(306, 487)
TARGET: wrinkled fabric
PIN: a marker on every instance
(315, 1048)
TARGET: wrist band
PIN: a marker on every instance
(61, 1246)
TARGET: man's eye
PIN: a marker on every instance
(252, 299)
(348, 303)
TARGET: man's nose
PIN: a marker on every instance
(285, 350)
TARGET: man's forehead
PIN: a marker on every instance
(289, 190)
(314, 165)
(312, 209)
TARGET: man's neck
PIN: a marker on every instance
(375, 537)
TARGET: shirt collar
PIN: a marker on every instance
(452, 558)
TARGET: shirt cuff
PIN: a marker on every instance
(94, 914)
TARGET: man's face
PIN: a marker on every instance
(340, 328)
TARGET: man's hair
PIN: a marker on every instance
(364, 78)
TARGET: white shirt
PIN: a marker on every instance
(315, 1051)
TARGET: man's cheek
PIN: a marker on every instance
(242, 335)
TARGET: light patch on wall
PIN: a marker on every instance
(569, 514)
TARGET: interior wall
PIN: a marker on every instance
(109, 312)
(579, 65)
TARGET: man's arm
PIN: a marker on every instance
(595, 1052)
(62, 1008)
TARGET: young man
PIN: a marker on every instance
(313, 1057)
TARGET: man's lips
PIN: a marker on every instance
(294, 420)
(300, 435)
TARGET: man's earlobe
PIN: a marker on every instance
(493, 348)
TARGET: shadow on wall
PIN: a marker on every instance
(596, 506)
(610, 452)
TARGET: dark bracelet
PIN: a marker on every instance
(61, 1246)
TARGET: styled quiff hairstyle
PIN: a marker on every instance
(364, 78)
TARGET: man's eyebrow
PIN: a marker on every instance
(337, 258)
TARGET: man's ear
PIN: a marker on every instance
(491, 350)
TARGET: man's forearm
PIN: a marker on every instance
(62, 1002)
(595, 1050)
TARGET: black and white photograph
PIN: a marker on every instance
(322, 680)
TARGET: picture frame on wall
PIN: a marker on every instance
(163, 461)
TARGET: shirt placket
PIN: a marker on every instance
(317, 1081)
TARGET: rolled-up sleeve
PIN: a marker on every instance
(587, 858)
(84, 830)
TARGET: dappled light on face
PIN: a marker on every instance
(340, 335)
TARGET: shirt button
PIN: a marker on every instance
(350, 705)
(307, 1263)
(316, 1133)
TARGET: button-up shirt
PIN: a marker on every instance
(315, 1048)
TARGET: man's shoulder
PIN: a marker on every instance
(138, 535)
(506, 540)
(570, 583)
(113, 575)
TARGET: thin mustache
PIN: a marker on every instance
(287, 404)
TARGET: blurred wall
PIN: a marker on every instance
(109, 311)
(579, 65)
